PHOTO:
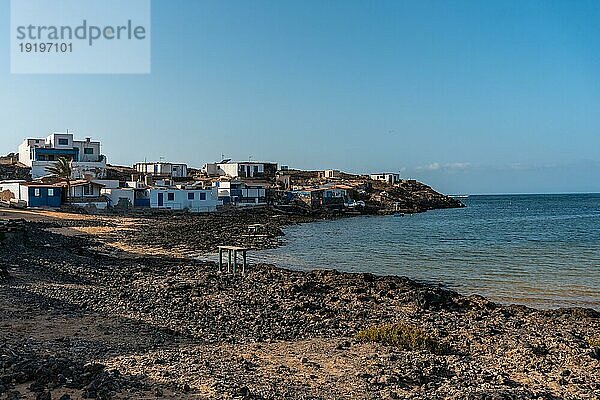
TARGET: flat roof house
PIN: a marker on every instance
(40, 153)
(85, 193)
(241, 169)
(388, 177)
(162, 169)
(240, 193)
(193, 200)
(34, 194)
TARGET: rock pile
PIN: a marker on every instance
(44, 375)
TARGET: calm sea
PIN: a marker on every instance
(538, 250)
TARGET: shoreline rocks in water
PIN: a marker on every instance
(165, 325)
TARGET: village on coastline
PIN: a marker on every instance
(93, 184)
(125, 304)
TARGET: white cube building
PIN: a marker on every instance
(87, 161)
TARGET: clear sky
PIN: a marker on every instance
(470, 96)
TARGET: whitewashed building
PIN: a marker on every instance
(40, 153)
(162, 169)
(241, 169)
(332, 174)
(388, 177)
(194, 200)
(241, 194)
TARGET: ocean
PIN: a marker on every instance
(538, 250)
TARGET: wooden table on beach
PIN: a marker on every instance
(233, 250)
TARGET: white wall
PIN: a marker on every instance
(116, 194)
(15, 189)
(174, 170)
(231, 169)
(81, 170)
(181, 201)
(82, 145)
(53, 140)
(212, 169)
(25, 150)
(78, 191)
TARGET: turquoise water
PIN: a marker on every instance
(538, 250)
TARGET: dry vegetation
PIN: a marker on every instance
(405, 337)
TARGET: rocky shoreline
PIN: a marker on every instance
(117, 307)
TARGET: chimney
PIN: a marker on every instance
(87, 139)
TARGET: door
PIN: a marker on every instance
(160, 199)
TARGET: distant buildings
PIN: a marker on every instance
(87, 161)
(389, 177)
(162, 169)
(166, 185)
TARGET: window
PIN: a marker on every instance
(87, 190)
(63, 142)
(191, 196)
(50, 192)
(202, 196)
(36, 192)
(170, 196)
(88, 150)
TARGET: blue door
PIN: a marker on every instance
(160, 199)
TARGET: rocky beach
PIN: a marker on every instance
(118, 306)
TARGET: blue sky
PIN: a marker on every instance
(470, 96)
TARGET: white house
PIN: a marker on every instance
(85, 193)
(32, 194)
(241, 193)
(194, 200)
(241, 169)
(332, 174)
(164, 169)
(87, 161)
(388, 177)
